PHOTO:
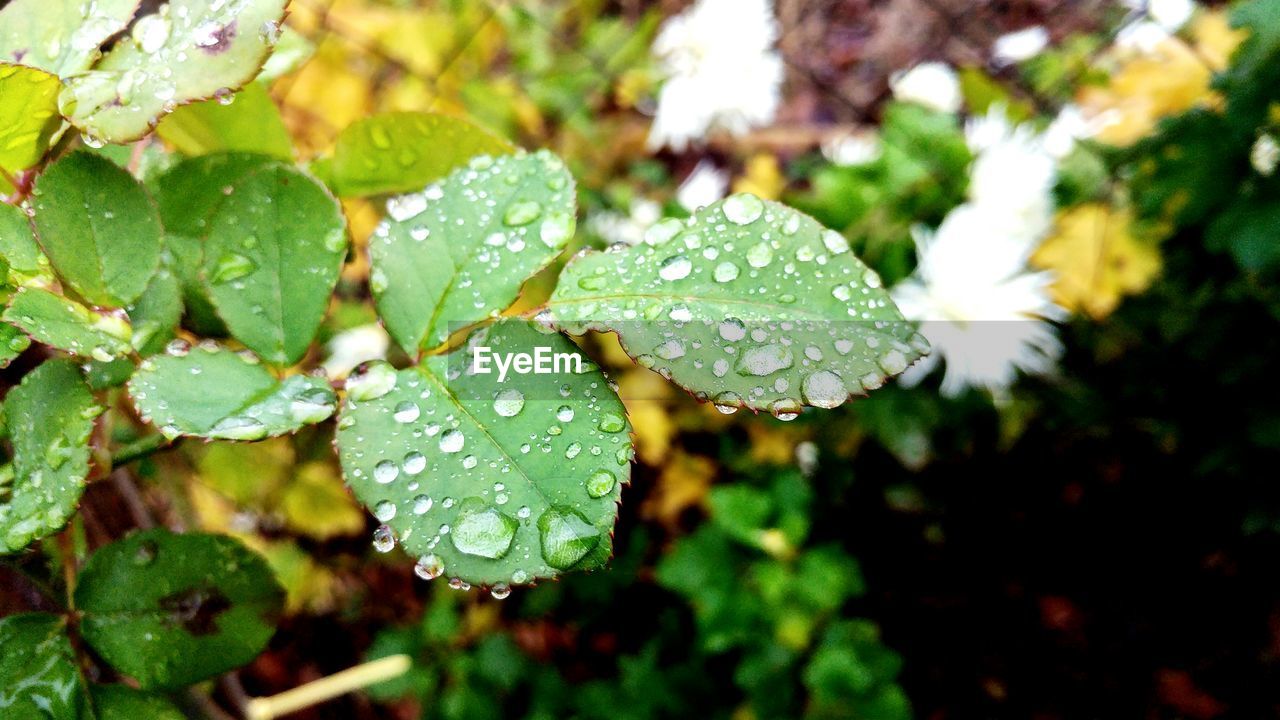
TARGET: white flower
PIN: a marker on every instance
(722, 71)
(1069, 127)
(1012, 175)
(981, 309)
(931, 84)
(851, 149)
(1170, 15)
(618, 229)
(351, 347)
(705, 185)
(1143, 36)
(1265, 155)
(1022, 45)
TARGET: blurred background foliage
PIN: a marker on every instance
(1095, 541)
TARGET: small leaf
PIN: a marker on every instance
(98, 227)
(39, 677)
(171, 610)
(155, 315)
(121, 702)
(13, 342)
(49, 418)
(442, 260)
(189, 50)
(60, 36)
(404, 152)
(485, 481)
(18, 245)
(211, 392)
(68, 325)
(250, 123)
(28, 115)
(272, 256)
(747, 304)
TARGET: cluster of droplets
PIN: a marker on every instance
(774, 307)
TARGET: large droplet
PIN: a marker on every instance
(378, 379)
(232, 266)
(676, 267)
(385, 472)
(383, 539)
(742, 208)
(566, 537)
(612, 422)
(509, 402)
(238, 428)
(824, 389)
(600, 483)
(406, 412)
(522, 212)
(451, 441)
(726, 272)
(482, 530)
(764, 360)
(414, 462)
(429, 567)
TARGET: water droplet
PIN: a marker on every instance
(759, 255)
(612, 422)
(785, 409)
(600, 483)
(727, 402)
(661, 232)
(452, 441)
(670, 350)
(835, 242)
(742, 208)
(522, 212)
(385, 472)
(733, 329)
(573, 450)
(500, 591)
(893, 362)
(429, 567)
(414, 462)
(566, 537)
(564, 414)
(383, 539)
(422, 504)
(824, 389)
(726, 272)
(676, 267)
(238, 428)
(556, 229)
(482, 530)
(232, 266)
(378, 379)
(841, 293)
(764, 360)
(406, 412)
(509, 402)
(385, 510)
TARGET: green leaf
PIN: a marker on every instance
(1247, 230)
(39, 677)
(749, 304)
(189, 50)
(98, 227)
(121, 702)
(291, 52)
(28, 115)
(211, 392)
(12, 343)
(488, 482)
(155, 315)
(444, 259)
(250, 123)
(18, 245)
(404, 152)
(68, 325)
(188, 255)
(49, 418)
(171, 610)
(272, 256)
(59, 36)
(1250, 82)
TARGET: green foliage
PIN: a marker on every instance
(48, 417)
(403, 152)
(121, 702)
(98, 227)
(188, 50)
(39, 677)
(18, 247)
(170, 610)
(60, 36)
(748, 304)
(28, 115)
(68, 325)
(442, 260)
(245, 122)
(214, 393)
(497, 484)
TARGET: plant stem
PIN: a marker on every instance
(327, 688)
(138, 449)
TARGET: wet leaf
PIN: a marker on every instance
(28, 115)
(98, 227)
(68, 325)
(61, 36)
(442, 260)
(155, 315)
(18, 246)
(12, 343)
(404, 152)
(187, 50)
(39, 677)
(171, 610)
(121, 702)
(49, 418)
(214, 393)
(746, 304)
(485, 481)
(250, 123)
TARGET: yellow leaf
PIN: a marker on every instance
(1215, 39)
(308, 585)
(248, 474)
(683, 484)
(316, 504)
(1096, 259)
(762, 177)
(772, 443)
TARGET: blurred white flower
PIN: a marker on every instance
(351, 347)
(1143, 36)
(932, 84)
(984, 313)
(1016, 47)
(705, 185)
(1012, 177)
(722, 71)
(1170, 15)
(852, 149)
(616, 228)
(1069, 127)
(1265, 155)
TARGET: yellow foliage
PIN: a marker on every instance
(316, 504)
(1172, 78)
(772, 443)
(683, 484)
(1096, 259)
(762, 177)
